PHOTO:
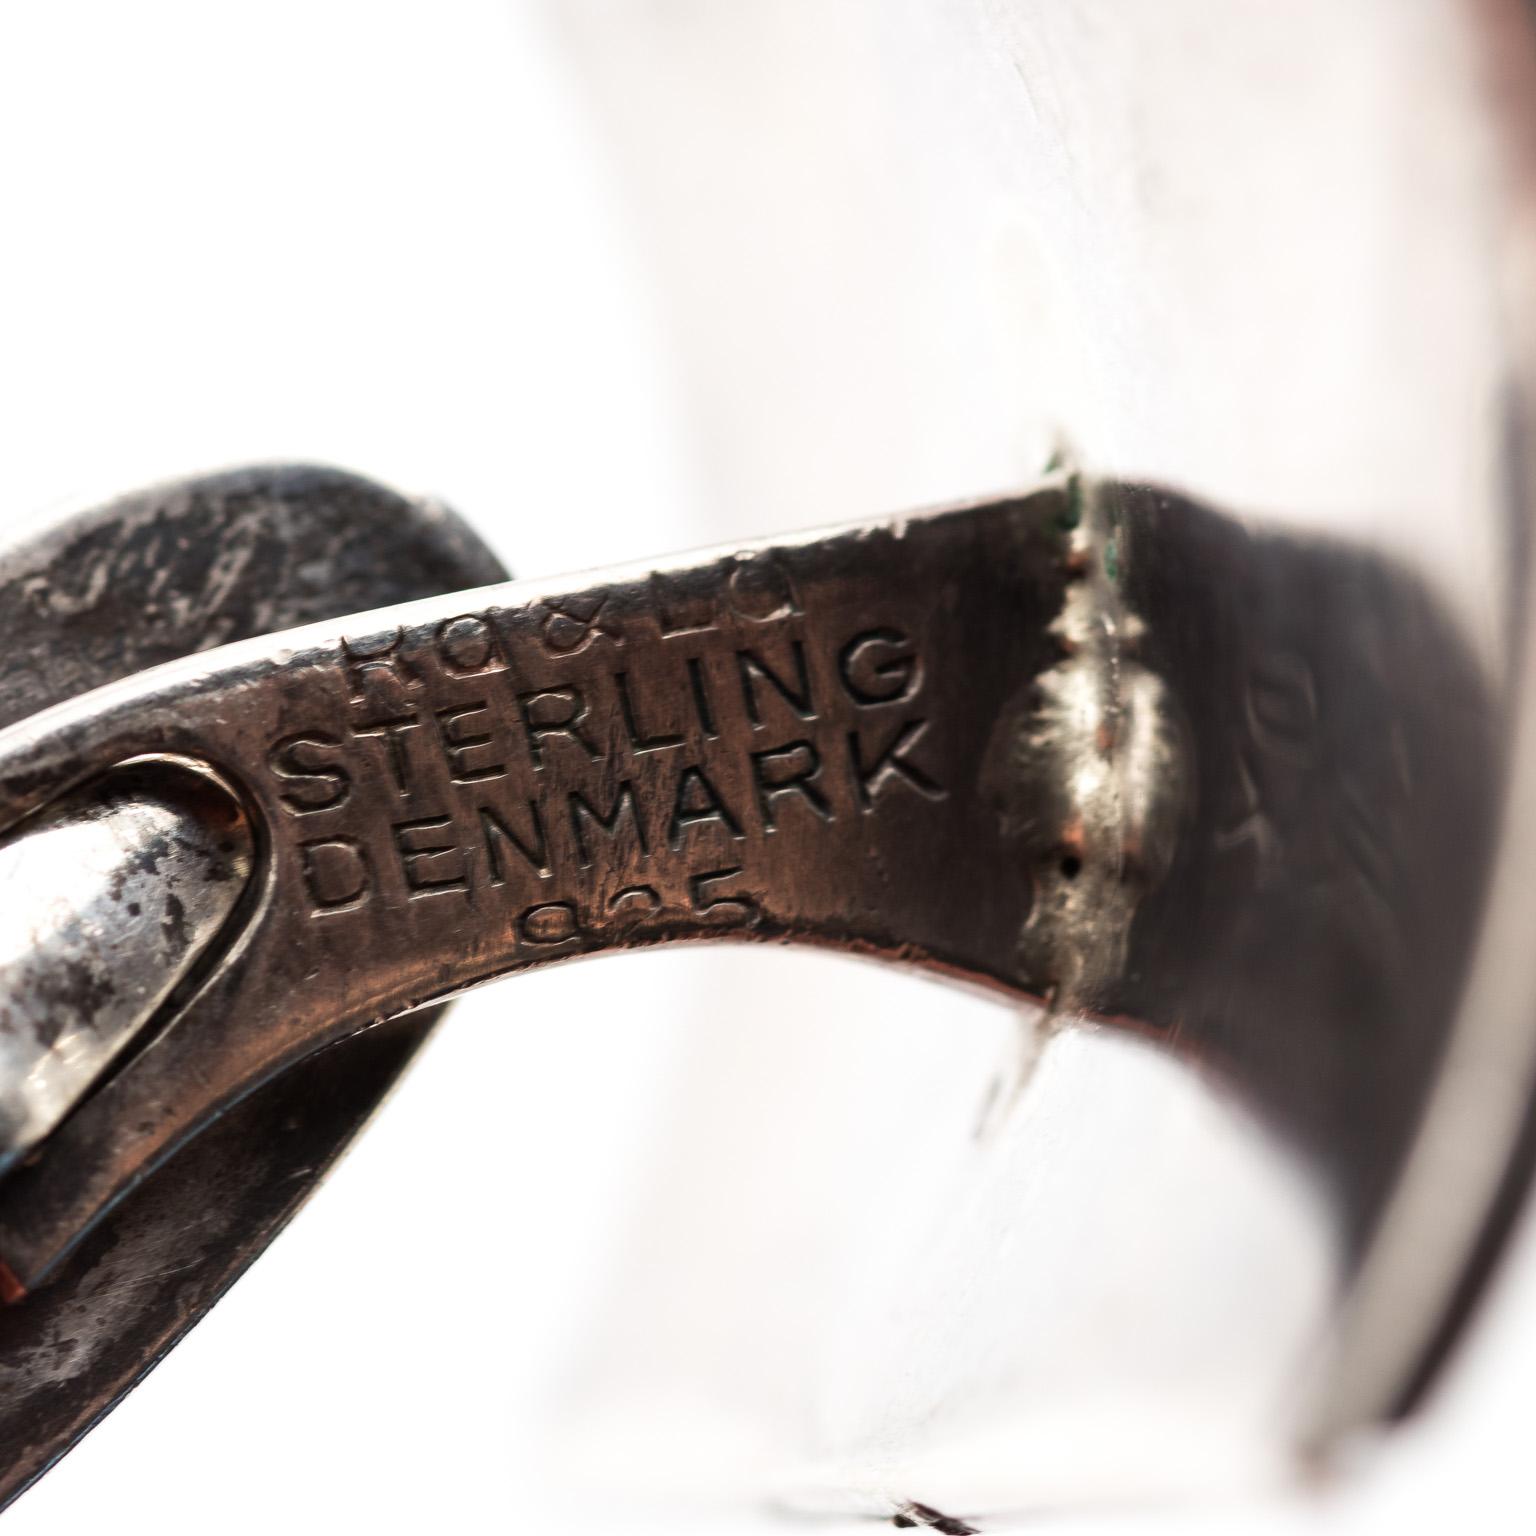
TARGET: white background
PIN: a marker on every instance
(419, 241)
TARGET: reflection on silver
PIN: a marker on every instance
(107, 902)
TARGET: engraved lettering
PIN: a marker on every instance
(377, 655)
(392, 733)
(727, 911)
(891, 764)
(788, 770)
(1281, 705)
(698, 685)
(753, 666)
(551, 922)
(554, 712)
(681, 610)
(570, 624)
(460, 745)
(759, 589)
(698, 801)
(319, 783)
(468, 645)
(533, 849)
(585, 814)
(638, 740)
(337, 874)
(634, 902)
(421, 863)
(879, 666)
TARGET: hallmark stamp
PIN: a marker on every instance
(597, 766)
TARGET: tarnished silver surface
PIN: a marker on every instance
(1094, 745)
(107, 901)
(784, 741)
(1242, 767)
(91, 597)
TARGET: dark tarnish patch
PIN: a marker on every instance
(195, 564)
(146, 860)
(174, 924)
(76, 990)
(70, 1351)
(220, 866)
(28, 783)
(108, 593)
